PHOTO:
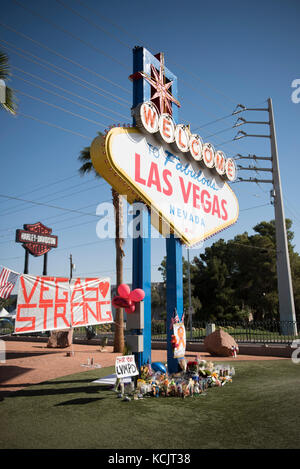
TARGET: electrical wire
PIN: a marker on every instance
(67, 7)
(219, 132)
(67, 91)
(43, 186)
(47, 195)
(95, 12)
(55, 217)
(86, 69)
(62, 72)
(93, 47)
(66, 99)
(213, 122)
(64, 228)
(50, 124)
(33, 202)
(77, 38)
(60, 108)
(256, 206)
(56, 198)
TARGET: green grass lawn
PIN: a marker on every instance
(259, 409)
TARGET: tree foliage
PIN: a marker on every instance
(237, 279)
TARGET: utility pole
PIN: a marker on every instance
(71, 266)
(284, 278)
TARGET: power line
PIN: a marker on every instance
(184, 69)
(213, 122)
(219, 132)
(67, 91)
(76, 13)
(43, 186)
(64, 228)
(65, 98)
(86, 69)
(59, 28)
(256, 206)
(55, 217)
(47, 205)
(54, 125)
(60, 108)
(57, 198)
(63, 72)
(47, 195)
(92, 23)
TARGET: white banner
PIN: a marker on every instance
(49, 303)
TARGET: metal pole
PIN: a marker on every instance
(71, 267)
(141, 245)
(45, 264)
(26, 261)
(284, 279)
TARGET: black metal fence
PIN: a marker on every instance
(265, 332)
(272, 332)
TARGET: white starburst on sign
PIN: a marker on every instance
(162, 88)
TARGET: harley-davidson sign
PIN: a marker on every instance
(36, 238)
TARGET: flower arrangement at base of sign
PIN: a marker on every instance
(195, 377)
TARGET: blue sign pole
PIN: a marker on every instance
(141, 246)
(142, 61)
(174, 293)
(174, 274)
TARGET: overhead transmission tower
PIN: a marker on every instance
(284, 279)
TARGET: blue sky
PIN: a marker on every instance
(223, 53)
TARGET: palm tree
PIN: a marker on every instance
(85, 168)
(10, 104)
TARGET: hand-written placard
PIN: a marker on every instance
(125, 366)
(49, 303)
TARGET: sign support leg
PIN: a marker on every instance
(141, 278)
(45, 264)
(174, 293)
(26, 262)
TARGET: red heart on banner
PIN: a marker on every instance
(103, 287)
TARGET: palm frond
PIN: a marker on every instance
(87, 165)
(4, 67)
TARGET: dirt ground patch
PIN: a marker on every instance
(28, 363)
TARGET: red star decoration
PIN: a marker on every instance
(162, 88)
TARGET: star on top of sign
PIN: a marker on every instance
(162, 88)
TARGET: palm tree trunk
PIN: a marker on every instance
(119, 241)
